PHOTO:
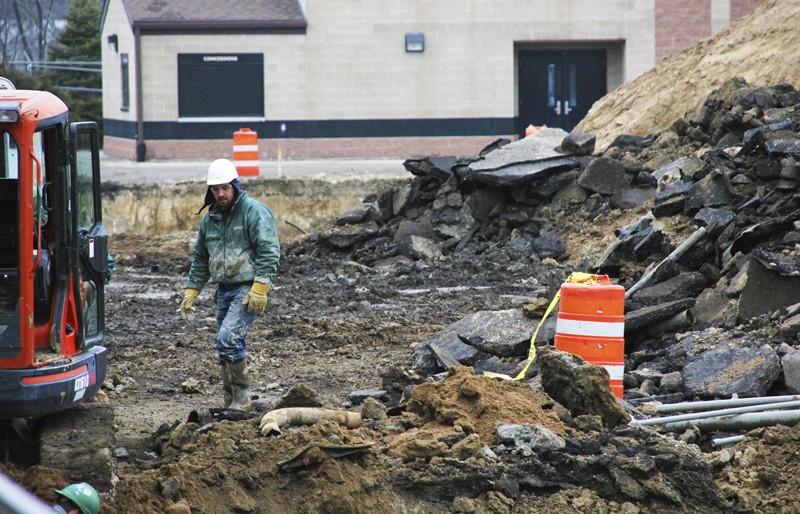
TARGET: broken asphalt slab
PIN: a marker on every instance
(530, 158)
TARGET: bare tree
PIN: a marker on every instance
(8, 42)
(35, 26)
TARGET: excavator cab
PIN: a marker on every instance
(53, 251)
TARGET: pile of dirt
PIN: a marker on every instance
(476, 405)
(426, 459)
(763, 473)
(761, 47)
(39, 480)
(230, 467)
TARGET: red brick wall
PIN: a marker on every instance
(680, 24)
(741, 8)
(397, 147)
(119, 147)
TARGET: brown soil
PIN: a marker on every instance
(476, 404)
(230, 467)
(762, 474)
(589, 238)
(761, 47)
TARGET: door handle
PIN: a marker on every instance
(567, 109)
(558, 107)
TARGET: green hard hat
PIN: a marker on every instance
(83, 496)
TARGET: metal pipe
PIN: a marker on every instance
(16, 500)
(712, 404)
(676, 254)
(716, 413)
(672, 324)
(141, 154)
(725, 441)
(739, 422)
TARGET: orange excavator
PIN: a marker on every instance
(53, 257)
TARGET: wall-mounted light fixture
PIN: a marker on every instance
(112, 42)
(415, 42)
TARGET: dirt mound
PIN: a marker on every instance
(763, 474)
(232, 468)
(761, 47)
(477, 404)
(229, 466)
(39, 480)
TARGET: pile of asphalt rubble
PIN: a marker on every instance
(732, 297)
(716, 316)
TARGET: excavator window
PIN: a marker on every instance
(10, 161)
(9, 230)
(88, 217)
(85, 186)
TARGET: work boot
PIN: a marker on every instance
(226, 383)
(239, 385)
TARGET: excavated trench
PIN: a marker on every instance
(300, 205)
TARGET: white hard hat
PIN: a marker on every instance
(221, 171)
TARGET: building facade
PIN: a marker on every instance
(390, 78)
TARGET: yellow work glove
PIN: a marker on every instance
(256, 299)
(186, 309)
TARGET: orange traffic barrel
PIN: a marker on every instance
(245, 152)
(532, 130)
(591, 324)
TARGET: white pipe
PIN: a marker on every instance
(725, 441)
(712, 404)
(716, 413)
(738, 422)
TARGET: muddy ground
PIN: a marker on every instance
(333, 326)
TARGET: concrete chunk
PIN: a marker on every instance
(765, 291)
(637, 319)
(604, 176)
(732, 369)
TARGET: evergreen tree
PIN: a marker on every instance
(80, 41)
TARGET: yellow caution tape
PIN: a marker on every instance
(576, 278)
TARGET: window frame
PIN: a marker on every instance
(125, 89)
(216, 101)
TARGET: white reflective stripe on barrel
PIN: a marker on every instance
(245, 148)
(615, 372)
(246, 164)
(574, 327)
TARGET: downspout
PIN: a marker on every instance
(140, 147)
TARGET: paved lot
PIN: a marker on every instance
(123, 171)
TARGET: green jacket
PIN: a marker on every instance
(237, 246)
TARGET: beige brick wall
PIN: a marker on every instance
(117, 23)
(352, 63)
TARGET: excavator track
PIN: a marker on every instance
(79, 442)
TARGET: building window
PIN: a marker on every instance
(126, 90)
(221, 86)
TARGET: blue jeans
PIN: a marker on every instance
(233, 321)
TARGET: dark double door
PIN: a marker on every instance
(557, 87)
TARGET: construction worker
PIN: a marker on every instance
(237, 247)
(79, 498)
